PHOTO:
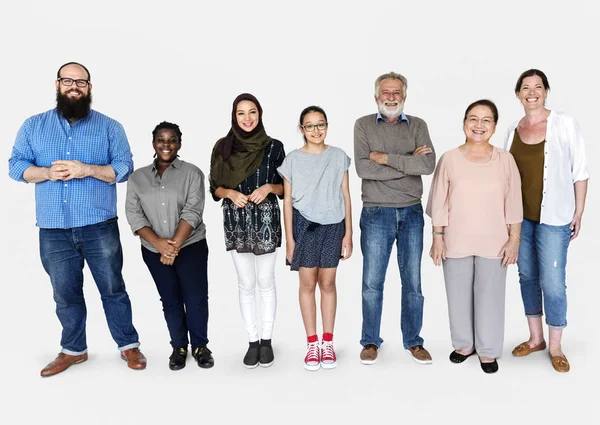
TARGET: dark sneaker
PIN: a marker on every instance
(204, 357)
(265, 356)
(252, 357)
(178, 358)
(368, 355)
(419, 354)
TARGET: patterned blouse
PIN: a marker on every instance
(256, 228)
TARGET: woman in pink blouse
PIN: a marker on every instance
(476, 213)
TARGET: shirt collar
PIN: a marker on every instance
(379, 118)
(175, 164)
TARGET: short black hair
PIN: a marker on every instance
(532, 73)
(89, 78)
(169, 126)
(483, 102)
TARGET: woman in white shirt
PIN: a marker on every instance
(550, 154)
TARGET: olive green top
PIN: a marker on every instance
(530, 161)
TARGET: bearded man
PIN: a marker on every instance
(75, 155)
(392, 151)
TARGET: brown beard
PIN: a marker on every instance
(73, 109)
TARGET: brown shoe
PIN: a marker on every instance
(62, 362)
(419, 354)
(134, 357)
(560, 363)
(368, 355)
(524, 349)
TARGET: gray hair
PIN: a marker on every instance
(393, 76)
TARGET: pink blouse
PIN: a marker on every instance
(475, 202)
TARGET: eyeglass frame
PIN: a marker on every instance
(73, 80)
(324, 124)
(480, 121)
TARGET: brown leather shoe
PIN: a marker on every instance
(134, 358)
(420, 354)
(62, 362)
(560, 363)
(368, 355)
(524, 349)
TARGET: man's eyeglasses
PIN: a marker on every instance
(68, 82)
(311, 127)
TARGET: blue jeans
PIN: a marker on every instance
(380, 227)
(183, 290)
(542, 271)
(63, 252)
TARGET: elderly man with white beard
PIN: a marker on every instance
(392, 151)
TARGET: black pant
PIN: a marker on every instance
(183, 290)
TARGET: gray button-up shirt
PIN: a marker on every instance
(159, 203)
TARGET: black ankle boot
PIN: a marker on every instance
(178, 358)
(266, 356)
(252, 355)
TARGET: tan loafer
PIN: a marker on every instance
(560, 363)
(524, 349)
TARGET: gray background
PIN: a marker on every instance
(185, 62)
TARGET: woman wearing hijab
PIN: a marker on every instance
(243, 173)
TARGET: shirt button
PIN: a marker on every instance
(162, 187)
(65, 200)
(65, 185)
(68, 153)
(162, 203)
(69, 138)
(165, 221)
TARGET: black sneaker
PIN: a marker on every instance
(266, 356)
(204, 357)
(251, 358)
(178, 358)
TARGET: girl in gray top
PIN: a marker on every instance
(318, 228)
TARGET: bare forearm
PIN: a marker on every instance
(184, 229)
(276, 189)
(147, 234)
(580, 195)
(106, 173)
(35, 174)
(222, 193)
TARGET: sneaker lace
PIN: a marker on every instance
(312, 352)
(327, 351)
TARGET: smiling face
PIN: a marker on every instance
(74, 72)
(247, 115)
(479, 125)
(390, 98)
(532, 93)
(313, 120)
(166, 144)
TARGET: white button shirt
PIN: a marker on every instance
(564, 164)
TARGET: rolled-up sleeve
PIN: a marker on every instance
(513, 201)
(577, 153)
(134, 210)
(22, 156)
(121, 159)
(437, 204)
(194, 202)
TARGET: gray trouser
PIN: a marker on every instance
(475, 287)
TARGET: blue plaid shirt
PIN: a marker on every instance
(96, 140)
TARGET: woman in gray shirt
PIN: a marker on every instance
(164, 208)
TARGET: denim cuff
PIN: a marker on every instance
(73, 353)
(130, 346)
(534, 315)
(556, 326)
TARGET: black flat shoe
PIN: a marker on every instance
(489, 367)
(204, 357)
(252, 357)
(178, 358)
(265, 354)
(456, 357)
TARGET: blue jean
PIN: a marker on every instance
(542, 271)
(380, 227)
(63, 252)
(183, 290)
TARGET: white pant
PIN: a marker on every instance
(251, 269)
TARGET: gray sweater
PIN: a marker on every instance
(397, 184)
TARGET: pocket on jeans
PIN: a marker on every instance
(370, 210)
(417, 207)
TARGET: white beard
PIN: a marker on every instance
(390, 112)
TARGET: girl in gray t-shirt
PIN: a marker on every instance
(318, 228)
